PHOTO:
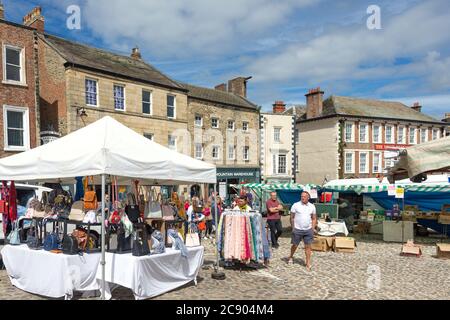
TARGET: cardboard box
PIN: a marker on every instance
(344, 244)
(410, 249)
(322, 244)
(443, 250)
(444, 219)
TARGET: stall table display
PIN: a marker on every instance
(152, 275)
(332, 228)
(49, 274)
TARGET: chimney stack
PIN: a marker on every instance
(2, 11)
(417, 107)
(35, 19)
(136, 53)
(221, 87)
(238, 86)
(279, 107)
(314, 103)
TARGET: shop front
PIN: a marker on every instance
(232, 176)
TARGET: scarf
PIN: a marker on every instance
(158, 243)
(178, 243)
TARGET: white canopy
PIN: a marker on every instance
(106, 147)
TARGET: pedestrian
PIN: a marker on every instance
(274, 219)
(208, 219)
(249, 198)
(303, 222)
(220, 208)
(195, 220)
(187, 204)
(242, 204)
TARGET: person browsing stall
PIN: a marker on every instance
(193, 217)
(242, 204)
(274, 219)
(303, 222)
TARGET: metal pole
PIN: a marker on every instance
(103, 262)
(216, 274)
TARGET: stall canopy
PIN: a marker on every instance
(106, 147)
(433, 156)
(275, 187)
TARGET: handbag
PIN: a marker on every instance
(51, 242)
(14, 235)
(168, 211)
(153, 209)
(123, 243)
(70, 245)
(90, 200)
(133, 213)
(76, 212)
(140, 244)
(3, 207)
(192, 239)
(33, 241)
(82, 238)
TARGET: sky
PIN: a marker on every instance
(287, 46)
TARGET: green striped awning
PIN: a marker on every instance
(359, 189)
(285, 186)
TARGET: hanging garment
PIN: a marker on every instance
(12, 202)
(79, 193)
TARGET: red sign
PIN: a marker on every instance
(391, 146)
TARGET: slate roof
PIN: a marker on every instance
(299, 110)
(104, 61)
(218, 96)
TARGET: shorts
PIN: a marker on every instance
(306, 235)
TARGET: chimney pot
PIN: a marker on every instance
(417, 107)
(136, 53)
(35, 19)
(279, 107)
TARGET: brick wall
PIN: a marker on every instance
(17, 95)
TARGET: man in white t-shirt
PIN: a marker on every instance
(303, 222)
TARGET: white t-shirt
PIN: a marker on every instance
(303, 212)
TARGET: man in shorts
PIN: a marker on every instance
(303, 222)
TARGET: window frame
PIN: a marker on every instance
(217, 120)
(174, 106)
(379, 133)
(22, 58)
(401, 129)
(391, 141)
(279, 134)
(124, 97)
(243, 126)
(174, 148)
(426, 135)
(147, 135)
(366, 169)
(378, 164)
(97, 99)
(233, 147)
(415, 135)
(352, 138)
(438, 134)
(218, 152)
(195, 121)
(234, 125)
(195, 151)
(26, 128)
(366, 132)
(278, 164)
(147, 102)
(246, 148)
(352, 170)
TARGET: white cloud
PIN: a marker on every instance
(185, 28)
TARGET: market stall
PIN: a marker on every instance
(104, 148)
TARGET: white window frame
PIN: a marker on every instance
(151, 102)
(366, 140)
(23, 73)
(243, 126)
(392, 140)
(415, 135)
(353, 162)
(96, 89)
(174, 106)
(201, 151)
(376, 164)
(279, 135)
(195, 121)
(218, 152)
(231, 147)
(297, 164)
(217, 120)
(426, 135)
(149, 136)
(228, 125)
(438, 134)
(246, 148)
(124, 97)
(174, 148)
(352, 139)
(379, 133)
(366, 169)
(278, 164)
(403, 131)
(26, 126)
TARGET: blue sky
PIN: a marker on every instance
(288, 46)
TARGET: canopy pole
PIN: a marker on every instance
(103, 262)
(216, 274)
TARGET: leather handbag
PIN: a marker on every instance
(133, 213)
(70, 245)
(90, 200)
(153, 209)
(51, 242)
(33, 241)
(140, 244)
(76, 212)
(168, 211)
(81, 237)
(123, 243)
(14, 235)
(192, 239)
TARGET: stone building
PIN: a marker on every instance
(277, 145)
(344, 137)
(19, 116)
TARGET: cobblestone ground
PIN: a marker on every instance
(334, 276)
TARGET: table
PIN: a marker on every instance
(151, 276)
(335, 227)
(50, 274)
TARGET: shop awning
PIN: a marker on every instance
(274, 187)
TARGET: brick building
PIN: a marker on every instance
(345, 137)
(19, 116)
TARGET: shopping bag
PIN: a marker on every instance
(153, 208)
(192, 239)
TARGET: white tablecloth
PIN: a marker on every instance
(150, 276)
(333, 227)
(49, 274)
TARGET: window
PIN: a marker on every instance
(172, 142)
(363, 168)
(389, 163)
(376, 133)
(349, 136)
(198, 121)
(282, 164)
(91, 92)
(423, 135)
(436, 134)
(401, 135)
(119, 97)
(216, 152)
(245, 126)
(296, 136)
(171, 107)
(149, 136)
(296, 164)
(146, 102)
(246, 153)
(363, 135)
(231, 152)
(215, 123)
(13, 65)
(376, 162)
(198, 151)
(230, 125)
(412, 135)
(349, 162)
(389, 134)
(277, 135)
(16, 128)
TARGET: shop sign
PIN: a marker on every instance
(230, 174)
(223, 190)
(382, 147)
(391, 190)
(400, 193)
(313, 194)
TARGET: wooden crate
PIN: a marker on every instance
(443, 250)
(344, 244)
